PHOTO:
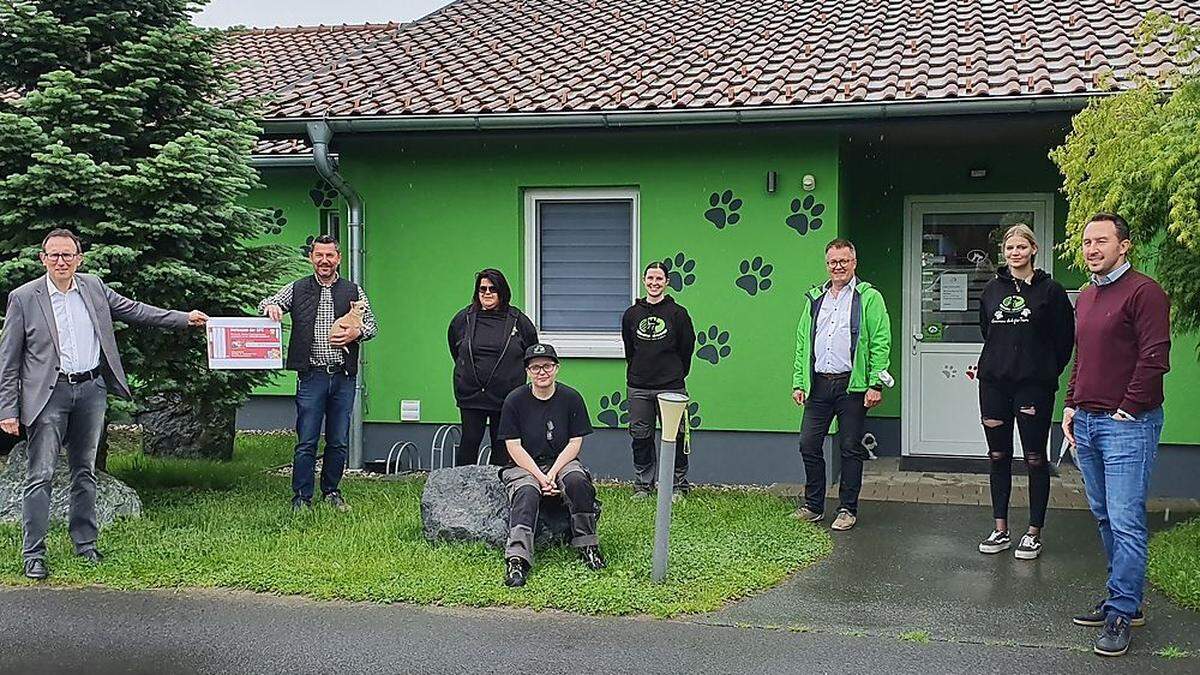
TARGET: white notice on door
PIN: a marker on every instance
(954, 292)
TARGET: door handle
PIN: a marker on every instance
(919, 336)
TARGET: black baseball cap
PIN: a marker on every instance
(540, 350)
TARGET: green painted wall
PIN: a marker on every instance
(878, 174)
(440, 209)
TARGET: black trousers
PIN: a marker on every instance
(473, 422)
(826, 399)
(1030, 404)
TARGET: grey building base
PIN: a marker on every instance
(718, 457)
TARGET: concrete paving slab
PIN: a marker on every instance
(915, 567)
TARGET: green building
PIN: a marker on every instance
(731, 139)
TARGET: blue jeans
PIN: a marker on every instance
(1116, 459)
(321, 398)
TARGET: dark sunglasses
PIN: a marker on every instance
(487, 289)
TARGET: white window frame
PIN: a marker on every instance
(602, 344)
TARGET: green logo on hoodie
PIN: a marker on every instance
(652, 328)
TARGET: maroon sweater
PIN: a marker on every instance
(1122, 346)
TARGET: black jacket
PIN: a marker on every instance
(1028, 329)
(659, 340)
(489, 355)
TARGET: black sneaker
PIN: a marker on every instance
(1029, 548)
(299, 504)
(516, 572)
(36, 569)
(1096, 618)
(592, 557)
(997, 541)
(1114, 641)
(641, 492)
(336, 500)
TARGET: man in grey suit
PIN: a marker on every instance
(58, 362)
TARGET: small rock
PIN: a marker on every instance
(114, 499)
(468, 503)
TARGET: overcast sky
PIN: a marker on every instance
(267, 13)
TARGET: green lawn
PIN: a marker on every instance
(230, 526)
(1175, 563)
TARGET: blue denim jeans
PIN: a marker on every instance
(321, 398)
(1116, 459)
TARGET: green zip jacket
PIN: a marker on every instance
(870, 349)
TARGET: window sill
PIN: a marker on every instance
(586, 345)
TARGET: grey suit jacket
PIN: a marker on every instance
(29, 358)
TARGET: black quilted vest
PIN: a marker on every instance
(306, 294)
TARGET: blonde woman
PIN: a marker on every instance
(1028, 332)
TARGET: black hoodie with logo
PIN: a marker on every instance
(1028, 329)
(659, 339)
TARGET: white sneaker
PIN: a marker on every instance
(997, 541)
(1029, 548)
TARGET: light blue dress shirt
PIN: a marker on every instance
(1111, 276)
(78, 345)
(832, 345)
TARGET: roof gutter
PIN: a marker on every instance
(306, 161)
(320, 134)
(801, 113)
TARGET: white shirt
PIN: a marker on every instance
(832, 344)
(78, 345)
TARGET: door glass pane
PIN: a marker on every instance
(959, 255)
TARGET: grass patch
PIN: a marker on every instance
(1172, 652)
(918, 636)
(229, 525)
(1174, 564)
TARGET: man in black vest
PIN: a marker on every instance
(326, 362)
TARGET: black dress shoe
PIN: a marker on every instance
(36, 569)
(93, 556)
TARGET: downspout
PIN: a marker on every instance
(319, 133)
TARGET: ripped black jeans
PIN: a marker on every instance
(1030, 404)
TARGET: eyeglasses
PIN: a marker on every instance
(60, 257)
(543, 370)
(487, 289)
(843, 263)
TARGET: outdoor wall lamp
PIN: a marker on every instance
(978, 173)
(809, 182)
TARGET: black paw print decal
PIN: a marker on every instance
(949, 371)
(806, 215)
(306, 249)
(755, 276)
(693, 415)
(614, 411)
(322, 195)
(713, 345)
(724, 209)
(679, 271)
(275, 222)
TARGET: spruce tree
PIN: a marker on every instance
(115, 122)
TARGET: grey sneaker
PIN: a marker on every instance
(1114, 641)
(996, 541)
(1029, 548)
(805, 513)
(844, 521)
(336, 500)
(1095, 618)
(640, 492)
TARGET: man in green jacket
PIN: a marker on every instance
(842, 345)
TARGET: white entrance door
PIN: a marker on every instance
(952, 249)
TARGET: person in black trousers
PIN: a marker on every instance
(1028, 332)
(488, 339)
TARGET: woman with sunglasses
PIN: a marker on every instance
(488, 339)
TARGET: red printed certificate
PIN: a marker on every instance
(245, 343)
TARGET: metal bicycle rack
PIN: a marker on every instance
(400, 450)
(446, 435)
(485, 453)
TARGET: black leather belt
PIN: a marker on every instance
(80, 377)
(834, 376)
(332, 369)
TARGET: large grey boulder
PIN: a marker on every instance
(114, 499)
(468, 503)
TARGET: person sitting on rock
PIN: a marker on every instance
(543, 425)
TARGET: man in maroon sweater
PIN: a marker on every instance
(1114, 416)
